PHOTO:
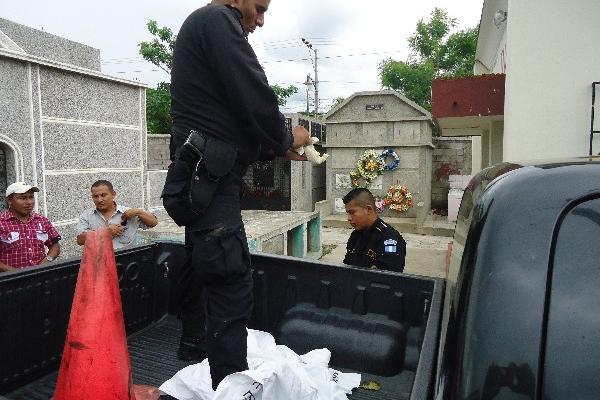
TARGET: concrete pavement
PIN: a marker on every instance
(425, 254)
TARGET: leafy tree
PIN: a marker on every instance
(283, 93)
(336, 101)
(159, 51)
(435, 52)
(158, 106)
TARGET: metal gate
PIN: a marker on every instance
(267, 184)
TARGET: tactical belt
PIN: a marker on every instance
(194, 176)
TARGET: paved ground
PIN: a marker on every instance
(425, 255)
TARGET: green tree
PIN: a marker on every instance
(159, 51)
(435, 52)
(158, 106)
(283, 93)
(336, 101)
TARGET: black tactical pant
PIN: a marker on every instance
(217, 284)
(221, 259)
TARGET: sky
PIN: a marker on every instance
(351, 37)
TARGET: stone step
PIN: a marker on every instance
(407, 225)
(438, 226)
(437, 231)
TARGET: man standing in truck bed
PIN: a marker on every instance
(225, 116)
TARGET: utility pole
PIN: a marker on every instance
(308, 82)
(316, 80)
(316, 85)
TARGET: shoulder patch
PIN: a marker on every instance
(390, 246)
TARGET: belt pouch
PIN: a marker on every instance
(218, 161)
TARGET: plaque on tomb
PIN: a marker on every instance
(374, 107)
(339, 205)
(377, 183)
(342, 181)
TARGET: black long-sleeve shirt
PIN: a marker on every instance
(380, 246)
(219, 87)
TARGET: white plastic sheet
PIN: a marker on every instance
(275, 373)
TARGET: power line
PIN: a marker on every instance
(335, 56)
(132, 60)
(297, 39)
(275, 44)
(305, 59)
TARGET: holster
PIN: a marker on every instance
(194, 176)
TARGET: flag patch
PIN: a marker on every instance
(390, 246)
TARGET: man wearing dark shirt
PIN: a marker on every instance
(373, 243)
(225, 116)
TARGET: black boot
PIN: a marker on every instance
(191, 349)
(192, 345)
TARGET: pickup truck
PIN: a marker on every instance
(518, 316)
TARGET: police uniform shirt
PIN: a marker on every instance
(379, 246)
(218, 87)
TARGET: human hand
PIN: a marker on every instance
(292, 155)
(132, 212)
(116, 230)
(301, 137)
(6, 268)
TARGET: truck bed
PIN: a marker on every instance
(153, 361)
(381, 324)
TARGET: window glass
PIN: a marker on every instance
(572, 353)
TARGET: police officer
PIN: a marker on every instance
(225, 116)
(373, 243)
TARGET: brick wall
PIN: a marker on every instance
(451, 156)
(158, 151)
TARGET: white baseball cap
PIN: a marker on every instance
(20, 187)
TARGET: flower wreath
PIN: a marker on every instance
(358, 180)
(398, 198)
(392, 165)
(370, 165)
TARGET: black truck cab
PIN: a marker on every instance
(521, 315)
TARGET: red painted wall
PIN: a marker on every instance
(471, 96)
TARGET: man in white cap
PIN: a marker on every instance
(25, 234)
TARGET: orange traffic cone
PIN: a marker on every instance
(95, 363)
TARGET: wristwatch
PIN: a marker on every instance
(50, 258)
